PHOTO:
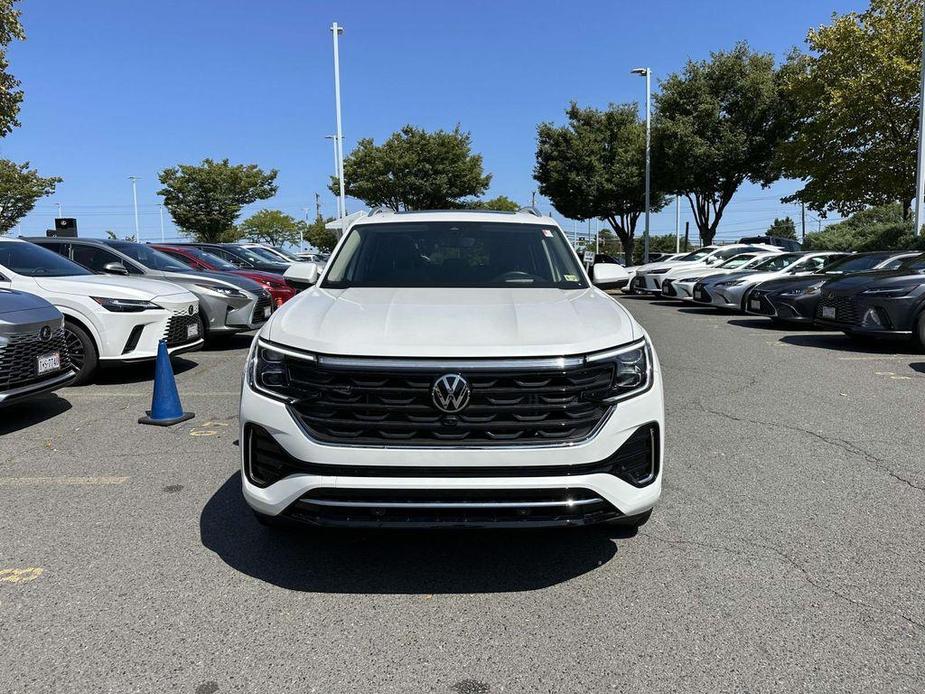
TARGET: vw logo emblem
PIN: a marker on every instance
(45, 333)
(190, 310)
(450, 393)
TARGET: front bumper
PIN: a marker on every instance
(59, 380)
(359, 471)
(869, 315)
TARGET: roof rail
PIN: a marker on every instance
(382, 209)
(531, 210)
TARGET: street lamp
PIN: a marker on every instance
(134, 179)
(333, 138)
(647, 73)
(337, 31)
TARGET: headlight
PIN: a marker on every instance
(230, 292)
(657, 272)
(730, 283)
(801, 291)
(691, 279)
(889, 292)
(267, 370)
(125, 305)
(632, 373)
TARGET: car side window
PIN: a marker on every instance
(893, 264)
(96, 259)
(188, 260)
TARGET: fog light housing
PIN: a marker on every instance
(637, 460)
(875, 317)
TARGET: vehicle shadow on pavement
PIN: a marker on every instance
(229, 342)
(766, 324)
(138, 373)
(840, 342)
(34, 411)
(401, 561)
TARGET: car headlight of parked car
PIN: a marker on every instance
(803, 291)
(888, 292)
(632, 373)
(691, 279)
(125, 305)
(730, 283)
(230, 292)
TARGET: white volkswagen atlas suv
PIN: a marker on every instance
(453, 369)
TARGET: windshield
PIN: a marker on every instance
(249, 255)
(149, 257)
(213, 261)
(265, 254)
(699, 254)
(30, 260)
(287, 254)
(778, 262)
(916, 264)
(455, 254)
(737, 261)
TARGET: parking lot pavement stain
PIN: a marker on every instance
(24, 575)
(470, 687)
(207, 688)
(172, 488)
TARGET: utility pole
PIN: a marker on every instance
(677, 223)
(803, 216)
(647, 73)
(161, 210)
(134, 180)
(337, 31)
(333, 138)
(59, 209)
(533, 199)
(920, 162)
(301, 230)
(687, 236)
(317, 206)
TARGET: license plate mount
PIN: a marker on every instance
(754, 305)
(47, 362)
(192, 330)
(828, 312)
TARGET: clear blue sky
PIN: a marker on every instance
(116, 88)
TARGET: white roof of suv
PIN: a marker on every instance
(388, 216)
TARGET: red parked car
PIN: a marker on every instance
(203, 260)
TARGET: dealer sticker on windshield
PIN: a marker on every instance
(547, 233)
(571, 278)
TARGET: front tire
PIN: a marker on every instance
(918, 332)
(82, 352)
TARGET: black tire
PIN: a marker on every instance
(82, 352)
(918, 331)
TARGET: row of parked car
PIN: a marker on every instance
(71, 305)
(879, 294)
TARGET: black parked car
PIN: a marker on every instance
(239, 256)
(885, 304)
(794, 299)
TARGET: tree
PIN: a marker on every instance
(10, 95)
(854, 103)
(20, 188)
(205, 200)
(319, 237)
(594, 168)
(502, 203)
(718, 124)
(875, 229)
(414, 170)
(273, 227)
(784, 228)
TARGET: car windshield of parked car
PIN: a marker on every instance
(736, 261)
(213, 261)
(916, 264)
(248, 255)
(855, 263)
(149, 257)
(698, 254)
(265, 255)
(778, 262)
(292, 256)
(30, 260)
(455, 254)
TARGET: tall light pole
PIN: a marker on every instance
(333, 138)
(677, 223)
(134, 180)
(161, 210)
(337, 31)
(647, 73)
(59, 208)
(302, 233)
(920, 163)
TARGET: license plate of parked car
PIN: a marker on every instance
(698, 294)
(48, 362)
(754, 305)
(266, 311)
(828, 312)
(192, 330)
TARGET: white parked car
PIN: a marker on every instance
(447, 369)
(729, 291)
(631, 271)
(649, 280)
(683, 287)
(107, 320)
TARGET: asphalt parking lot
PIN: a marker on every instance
(786, 554)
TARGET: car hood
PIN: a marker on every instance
(851, 284)
(215, 277)
(257, 275)
(792, 282)
(12, 301)
(428, 322)
(112, 287)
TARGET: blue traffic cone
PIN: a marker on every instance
(165, 403)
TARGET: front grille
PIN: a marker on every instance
(19, 358)
(451, 507)
(636, 462)
(177, 332)
(700, 294)
(668, 288)
(764, 307)
(845, 308)
(373, 406)
(265, 301)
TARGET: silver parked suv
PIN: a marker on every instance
(33, 353)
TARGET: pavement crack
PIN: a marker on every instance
(844, 445)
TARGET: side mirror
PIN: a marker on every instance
(115, 268)
(301, 275)
(609, 275)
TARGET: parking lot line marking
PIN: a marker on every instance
(53, 481)
(24, 575)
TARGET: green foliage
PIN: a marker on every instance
(502, 203)
(874, 229)
(206, 199)
(273, 227)
(594, 167)
(20, 188)
(319, 237)
(414, 170)
(10, 94)
(718, 123)
(662, 244)
(784, 228)
(854, 106)
(113, 236)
